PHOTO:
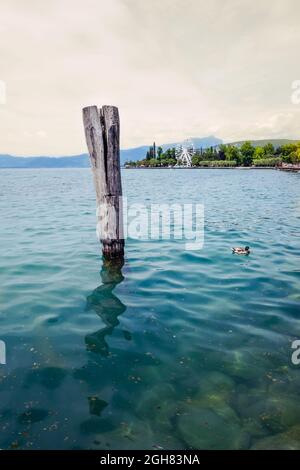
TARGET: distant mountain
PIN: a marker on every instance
(133, 154)
(75, 161)
(260, 143)
(198, 142)
(82, 161)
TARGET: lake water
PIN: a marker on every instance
(184, 349)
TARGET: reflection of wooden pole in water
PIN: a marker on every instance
(102, 132)
(111, 272)
(107, 305)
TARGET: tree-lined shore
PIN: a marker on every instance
(224, 155)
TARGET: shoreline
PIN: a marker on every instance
(201, 168)
(291, 170)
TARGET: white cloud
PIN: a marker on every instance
(41, 134)
(175, 68)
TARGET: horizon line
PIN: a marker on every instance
(149, 145)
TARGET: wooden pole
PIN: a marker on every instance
(102, 132)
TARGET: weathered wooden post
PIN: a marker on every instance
(102, 132)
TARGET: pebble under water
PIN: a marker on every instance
(179, 349)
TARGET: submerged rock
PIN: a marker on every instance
(96, 405)
(207, 421)
(151, 374)
(135, 434)
(216, 382)
(247, 400)
(33, 415)
(281, 412)
(289, 440)
(207, 428)
(275, 412)
(159, 406)
(245, 365)
(255, 428)
(287, 379)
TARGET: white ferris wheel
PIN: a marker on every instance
(184, 153)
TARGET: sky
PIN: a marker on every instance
(175, 68)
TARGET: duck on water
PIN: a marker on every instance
(241, 251)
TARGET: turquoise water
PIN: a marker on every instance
(180, 350)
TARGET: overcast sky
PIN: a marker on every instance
(175, 69)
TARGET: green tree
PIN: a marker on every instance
(269, 149)
(168, 158)
(259, 153)
(247, 151)
(196, 159)
(159, 152)
(153, 162)
(287, 149)
(208, 154)
(233, 154)
(222, 152)
(295, 156)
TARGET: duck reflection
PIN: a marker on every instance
(107, 305)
